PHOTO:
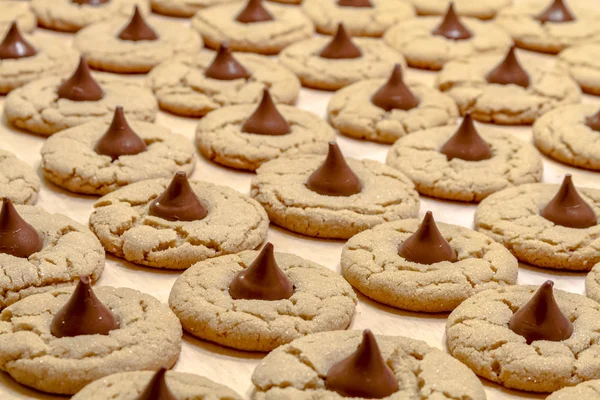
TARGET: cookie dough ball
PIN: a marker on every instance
(18, 180)
(582, 62)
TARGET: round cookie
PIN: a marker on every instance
(122, 222)
(359, 21)
(129, 385)
(68, 16)
(297, 370)
(589, 390)
(513, 162)
(18, 180)
(422, 49)
(564, 135)
(16, 11)
(182, 87)
(512, 218)
(149, 337)
(183, 8)
(465, 81)
(218, 24)
(484, 9)
(592, 283)
(582, 62)
(478, 334)
(321, 301)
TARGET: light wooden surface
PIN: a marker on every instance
(234, 368)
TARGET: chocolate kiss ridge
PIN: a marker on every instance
(266, 119)
(17, 237)
(225, 67)
(466, 143)
(556, 12)
(394, 94)
(334, 177)
(262, 280)
(541, 318)
(451, 27)
(90, 2)
(178, 202)
(427, 245)
(15, 46)
(81, 86)
(364, 373)
(83, 314)
(355, 3)
(119, 139)
(567, 208)
(254, 11)
(593, 121)
(157, 388)
(509, 71)
(341, 46)
(137, 29)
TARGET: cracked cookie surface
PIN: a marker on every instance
(183, 8)
(69, 251)
(582, 62)
(477, 334)
(482, 9)
(370, 262)
(149, 337)
(513, 163)
(302, 58)
(218, 24)
(512, 218)
(69, 159)
(182, 88)
(589, 390)
(322, 301)
(386, 195)
(464, 80)
(351, 112)
(297, 371)
(18, 180)
(121, 221)
(18, 11)
(592, 283)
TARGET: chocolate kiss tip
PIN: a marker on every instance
(266, 119)
(119, 139)
(17, 237)
(14, 45)
(254, 11)
(334, 177)
(81, 86)
(355, 3)
(567, 208)
(340, 46)
(83, 314)
(225, 67)
(509, 71)
(541, 318)
(394, 94)
(262, 280)
(556, 12)
(90, 2)
(466, 143)
(364, 373)
(427, 245)
(157, 388)
(178, 202)
(451, 27)
(137, 29)
(593, 121)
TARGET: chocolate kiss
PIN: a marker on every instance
(119, 139)
(254, 12)
(83, 314)
(427, 245)
(178, 202)
(266, 120)
(541, 318)
(81, 86)
(334, 177)
(137, 29)
(394, 94)
(593, 121)
(567, 208)
(557, 11)
(509, 71)
(466, 143)
(341, 46)
(17, 237)
(15, 46)
(225, 67)
(262, 280)
(364, 373)
(157, 388)
(90, 2)
(451, 27)
(355, 3)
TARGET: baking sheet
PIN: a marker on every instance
(234, 368)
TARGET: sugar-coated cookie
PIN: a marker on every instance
(183, 8)
(19, 11)
(582, 62)
(484, 9)
(18, 180)
(589, 390)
